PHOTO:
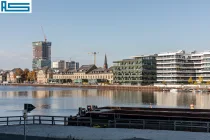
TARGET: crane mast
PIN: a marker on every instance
(45, 38)
(94, 54)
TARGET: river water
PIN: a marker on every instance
(66, 101)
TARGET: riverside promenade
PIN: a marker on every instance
(87, 133)
(105, 87)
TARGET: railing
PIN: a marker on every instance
(175, 125)
(36, 119)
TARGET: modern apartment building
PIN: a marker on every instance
(140, 70)
(178, 67)
(41, 54)
(171, 67)
(202, 65)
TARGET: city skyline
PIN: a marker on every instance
(118, 28)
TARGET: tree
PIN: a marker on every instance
(164, 82)
(190, 81)
(18, 72)
(31, 76)
(25, 74)
(200, 79)
(208, 82)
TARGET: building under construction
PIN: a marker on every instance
(41, 54)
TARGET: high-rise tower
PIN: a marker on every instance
(41, 54)
(105, 63)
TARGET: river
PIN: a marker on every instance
(66, 101)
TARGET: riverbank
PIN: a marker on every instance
(87, 133)
(108, 87)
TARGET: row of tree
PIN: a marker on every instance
(25, 75)
(191, 81)
(200, 79)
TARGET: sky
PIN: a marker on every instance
(119, 28)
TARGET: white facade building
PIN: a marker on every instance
(178, 67)
(202, 65)
(174, 67)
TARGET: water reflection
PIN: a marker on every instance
(67, 101)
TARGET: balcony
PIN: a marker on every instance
(175, 71)
(167, 67)
(171, 80)
(169, 62)
(176, 75)
(168, 58)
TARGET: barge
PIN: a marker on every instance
(143, 118)
(111, 112)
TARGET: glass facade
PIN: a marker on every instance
(140, 70)
(40, 63)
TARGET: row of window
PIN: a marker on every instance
(84, 77)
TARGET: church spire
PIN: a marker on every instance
(105, 63)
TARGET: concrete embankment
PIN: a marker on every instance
(87, 133)
(21, 137)
(108, 87)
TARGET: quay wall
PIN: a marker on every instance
(200, 86)
(105, 87)
(156, 87)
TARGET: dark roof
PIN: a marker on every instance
(14, 70)
(100, 70)
(70, 71)
(85, 68)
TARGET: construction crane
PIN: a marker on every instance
(94, 54)
(45, 38)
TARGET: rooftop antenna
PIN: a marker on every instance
(94, 54)
(45, 38)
